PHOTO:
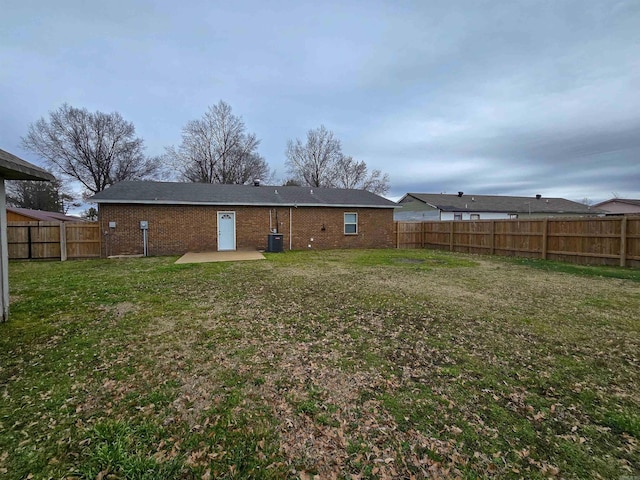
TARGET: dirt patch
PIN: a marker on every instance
(121, 309)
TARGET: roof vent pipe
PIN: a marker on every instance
(538, 196)
(256, 182)
(460, 194)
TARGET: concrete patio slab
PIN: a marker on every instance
(234, 256)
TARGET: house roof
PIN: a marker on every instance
(175, 193)
(498, 203)
(14, 168)
(44, 216)
(629, 201)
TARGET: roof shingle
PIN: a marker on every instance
(629, 201)
(175, 193)
(499, 203)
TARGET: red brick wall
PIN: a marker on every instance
(375, 228)
(176, 229)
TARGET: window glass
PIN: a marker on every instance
(350, 223)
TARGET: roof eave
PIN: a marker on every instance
(239, 204)
(14, 168)
(626, 201)
(20, 172)
(407, 195)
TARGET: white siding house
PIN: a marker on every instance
(446, 207)
(444, 216)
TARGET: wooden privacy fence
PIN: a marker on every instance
(597, 240)
(46, 240)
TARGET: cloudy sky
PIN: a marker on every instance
(488, 97)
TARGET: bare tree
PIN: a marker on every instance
(320, 163)
(97, 149)
(47, 196)
(217, 149)
(349, 173)
(314, 163)
(291, 182)
(353, 174)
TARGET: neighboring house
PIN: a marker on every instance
(434, 206)
(174, 218)
(620, 206)
(15, 214)
(12, 168)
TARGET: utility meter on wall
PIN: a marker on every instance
(144, 225)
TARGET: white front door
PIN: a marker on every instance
(226, 230)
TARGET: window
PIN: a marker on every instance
(513, 216)
(350, 223)
(457, 216)
(475, 216)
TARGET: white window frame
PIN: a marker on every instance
(457, 216)
(350, 223)
(513, 216)
(474, 216)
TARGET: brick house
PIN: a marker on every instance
(174, 218)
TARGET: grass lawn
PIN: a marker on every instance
(343, 364)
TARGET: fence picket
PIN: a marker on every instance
(47, 240)
(596, 240)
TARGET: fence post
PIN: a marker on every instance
(623, 242)
(397, 234)
(63, 242)
(451, 236)
(29, 249)
(545, 237)
(422, 234)
(492, 240)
